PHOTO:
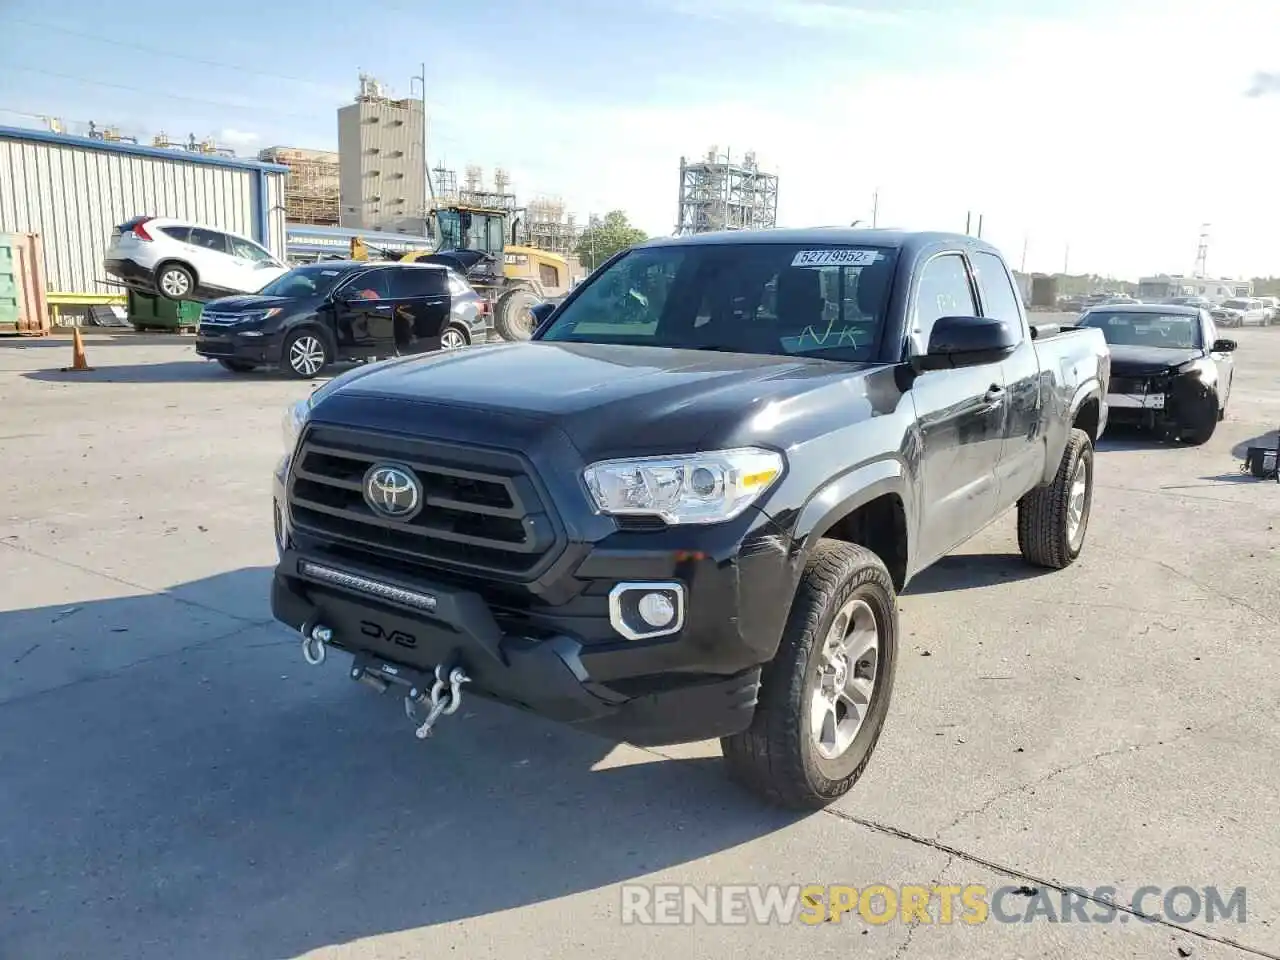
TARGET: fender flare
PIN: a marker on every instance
(845, 493)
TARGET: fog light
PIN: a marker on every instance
(656, 609)
(642, 611)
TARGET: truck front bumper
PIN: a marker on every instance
(400, 630)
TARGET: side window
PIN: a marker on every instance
(413, 282)
(1000, 299)
(371, 285)
(548, 275)
(208, 239)
(181, 234)
(942, 291)
(1210, 332)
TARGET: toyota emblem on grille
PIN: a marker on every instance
(391, 491)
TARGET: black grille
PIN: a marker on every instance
(1127, 385)
(481, 510)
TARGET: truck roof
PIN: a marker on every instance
(1170, 309)
(906, 240)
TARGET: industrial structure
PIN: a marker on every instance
(473, 192)
(74, 191)
(719, 194)
(311, 195)
(544, 223)
(549, 227)
(382, 175)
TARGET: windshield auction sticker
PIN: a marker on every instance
(836, 257)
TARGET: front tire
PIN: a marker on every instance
(512, 318)
(304, 354)
(825, 695)
(175, 282)
(1053, 520)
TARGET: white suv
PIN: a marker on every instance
(187, 261)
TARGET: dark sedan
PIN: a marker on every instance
(343, 310)
(1169, 370)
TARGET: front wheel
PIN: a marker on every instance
(825, 695)
(304, 354)
(1052, 520)
(512, 316)
(175, 282)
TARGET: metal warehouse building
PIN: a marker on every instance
(73, 191)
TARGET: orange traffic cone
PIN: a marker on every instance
(78, 361)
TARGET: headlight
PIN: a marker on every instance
(295, 418)
(693, 488)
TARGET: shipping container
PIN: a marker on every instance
(24, 308)
(73, 191)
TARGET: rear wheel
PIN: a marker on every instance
(175, 282)
(304, 354)
(512, 316)
(825, 695)
(453, 338)
(236, 366)
(1052, 520)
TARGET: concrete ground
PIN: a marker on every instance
(176, 783)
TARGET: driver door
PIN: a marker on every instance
(363, 316)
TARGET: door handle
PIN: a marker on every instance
(994, 394)
(382, 307)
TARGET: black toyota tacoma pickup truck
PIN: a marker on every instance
(684, 509)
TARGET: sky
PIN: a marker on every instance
(1093, 135)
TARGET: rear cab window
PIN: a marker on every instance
(1000, 297)
(813, 300)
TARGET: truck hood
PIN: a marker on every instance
(1129, 361)
(609, 400)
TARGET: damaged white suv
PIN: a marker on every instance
(188, 261)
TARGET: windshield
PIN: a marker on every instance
(313, 280)
(1236, 304)
(1133, 329)
(790, 299)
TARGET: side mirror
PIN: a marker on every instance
(541, 311)
(1223, 346)
(966, 342)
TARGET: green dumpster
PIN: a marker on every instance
(151, 312)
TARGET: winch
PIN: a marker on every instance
(443, 695)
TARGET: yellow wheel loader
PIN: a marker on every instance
(479, 243)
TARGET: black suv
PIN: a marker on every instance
(343, 310)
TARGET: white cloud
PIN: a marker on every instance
(1117, 136)
(238, 138)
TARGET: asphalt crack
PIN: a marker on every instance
(1033, 880)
